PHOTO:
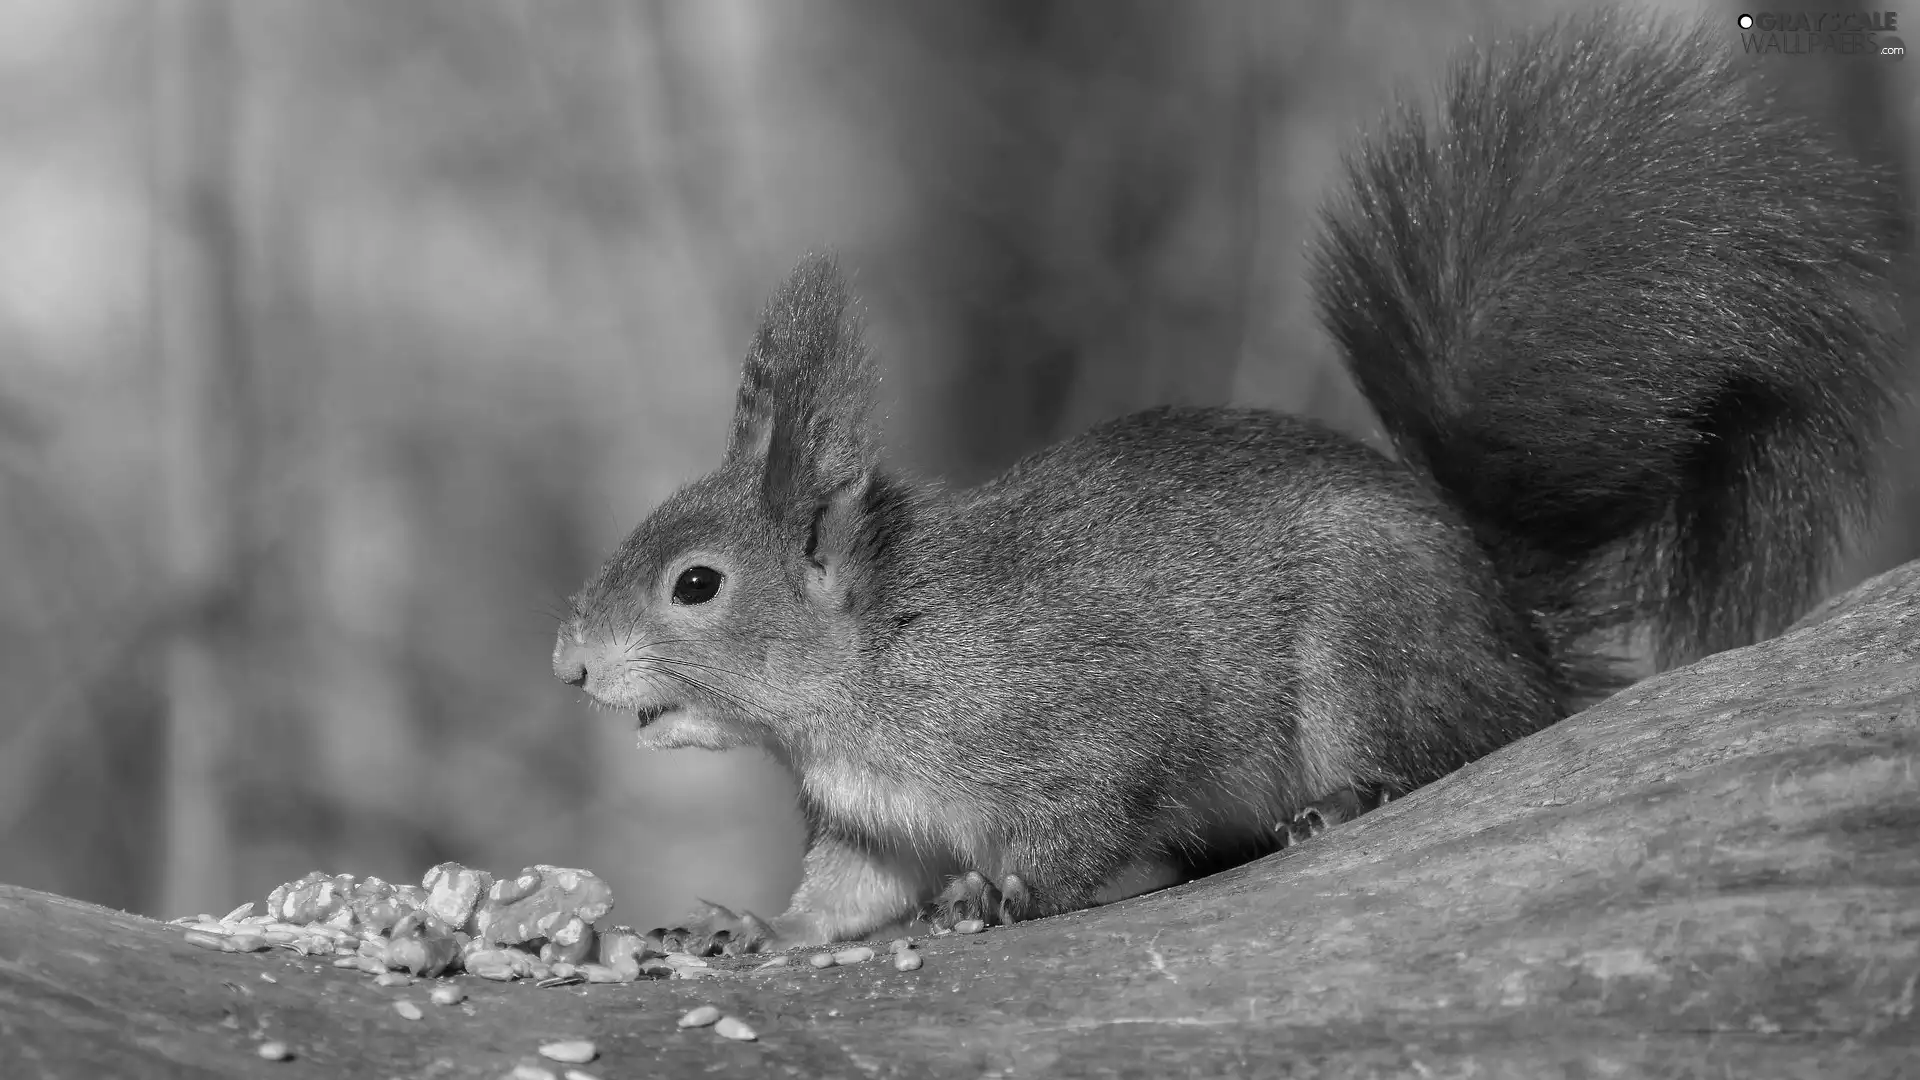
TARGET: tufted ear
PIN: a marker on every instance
(806, 396)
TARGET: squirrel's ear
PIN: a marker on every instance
(837, 543)
(806, 395)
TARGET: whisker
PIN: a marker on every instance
(705, 667)
(658, 641)
(675, 667)
(684, 662)
(707, 688)
(633, 625)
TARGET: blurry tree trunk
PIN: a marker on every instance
(686, 63)
(197, 317)
(1086, 181)
(362, 722)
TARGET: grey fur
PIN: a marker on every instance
(1149, 644)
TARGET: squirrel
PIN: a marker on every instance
(1632, 332)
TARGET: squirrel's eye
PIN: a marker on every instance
(696, 585)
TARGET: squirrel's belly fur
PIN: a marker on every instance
(908, 818)
(1632, 329)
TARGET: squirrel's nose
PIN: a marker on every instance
(570, 661)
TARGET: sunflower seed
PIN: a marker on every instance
(209, 941)
(571, 1051)
(700, 1017)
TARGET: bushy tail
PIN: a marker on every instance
(1634, 319)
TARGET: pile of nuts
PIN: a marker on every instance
(536, 925)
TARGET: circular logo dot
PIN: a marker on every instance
(1746, 22)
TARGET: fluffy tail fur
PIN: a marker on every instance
(1634, 319)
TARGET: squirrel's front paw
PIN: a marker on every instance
(713, 930)
(972, 896)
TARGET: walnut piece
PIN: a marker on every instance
(538, 901)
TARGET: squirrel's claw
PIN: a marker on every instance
(1302, 827)
(972, 896)
(1346, 805)
(1016, 900)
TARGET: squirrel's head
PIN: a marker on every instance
(731, 615)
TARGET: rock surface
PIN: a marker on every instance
(1717, 872)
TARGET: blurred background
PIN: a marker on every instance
(340, 340)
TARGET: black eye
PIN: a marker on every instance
(696, 585)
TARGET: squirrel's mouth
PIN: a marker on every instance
(649, 715)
